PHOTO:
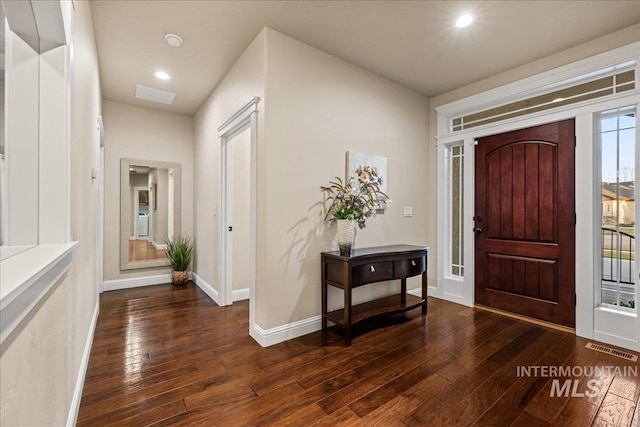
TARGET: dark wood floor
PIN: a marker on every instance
(169, 356)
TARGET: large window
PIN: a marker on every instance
(617, 139)
(456, 181)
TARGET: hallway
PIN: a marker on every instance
(166, 355)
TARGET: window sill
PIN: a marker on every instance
(26, 278)
(9, 251)
(621, 312)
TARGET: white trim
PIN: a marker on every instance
(246, 117)
(240, 294)
(269, 337)
(616, 327)
(100, 251)
(239, 117)
(26, 278)
(158, 246)
(206, 288)
(84, 364)
(415, 291)
(585, 202)
(136, 282)
(532, 86)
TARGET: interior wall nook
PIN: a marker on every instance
(243, 120)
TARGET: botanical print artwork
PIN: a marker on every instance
(356, 159)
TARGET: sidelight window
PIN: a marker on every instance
(617, 140)
(456, 181)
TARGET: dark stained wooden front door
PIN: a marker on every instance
(525, 222)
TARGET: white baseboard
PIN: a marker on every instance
(132, 237)
(206, 287)
(84, 363)
(136, 282)
(416, 291)
(286, 332)
(434, 291)
(158, 245)
(240, 294)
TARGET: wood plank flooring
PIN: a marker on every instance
(143, 250)
(169, 356)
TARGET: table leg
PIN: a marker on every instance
(347, 315)
(324, 300)
(424, 292)
(403, 290)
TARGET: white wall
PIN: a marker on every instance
(319, 107)
(142, 133)
(40, 361)
(243, 81)
(314, 108)
(23, 99)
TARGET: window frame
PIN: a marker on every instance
(598, 241)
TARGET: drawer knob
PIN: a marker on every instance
(413, 262)
(372, 268)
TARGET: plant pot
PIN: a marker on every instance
(346, 235)
(179, 277)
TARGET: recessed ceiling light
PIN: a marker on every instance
(162, 75)
(173, 40)
(464, 21)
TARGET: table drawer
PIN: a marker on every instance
(372, 272)
(409, 267)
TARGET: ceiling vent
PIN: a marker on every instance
(155, 95)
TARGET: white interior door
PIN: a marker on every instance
(240, 186)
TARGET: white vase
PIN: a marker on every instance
(346, 234)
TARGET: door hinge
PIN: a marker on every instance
(475, 142)
(575, 299)
(575, 219)
(575, 140)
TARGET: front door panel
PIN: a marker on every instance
(525, 223)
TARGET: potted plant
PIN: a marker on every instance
(180, 253)
(353, 202)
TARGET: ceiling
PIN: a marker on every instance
(413, 43)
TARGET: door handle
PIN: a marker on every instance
(477, 230)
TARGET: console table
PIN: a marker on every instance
(370, 265)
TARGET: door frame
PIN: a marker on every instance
(243, 119)
(171, 204)
(100, 251)
(588, 323)
(136, 211)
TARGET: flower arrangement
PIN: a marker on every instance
(358, 198)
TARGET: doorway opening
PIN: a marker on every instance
(237, 201)
(239, 219)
